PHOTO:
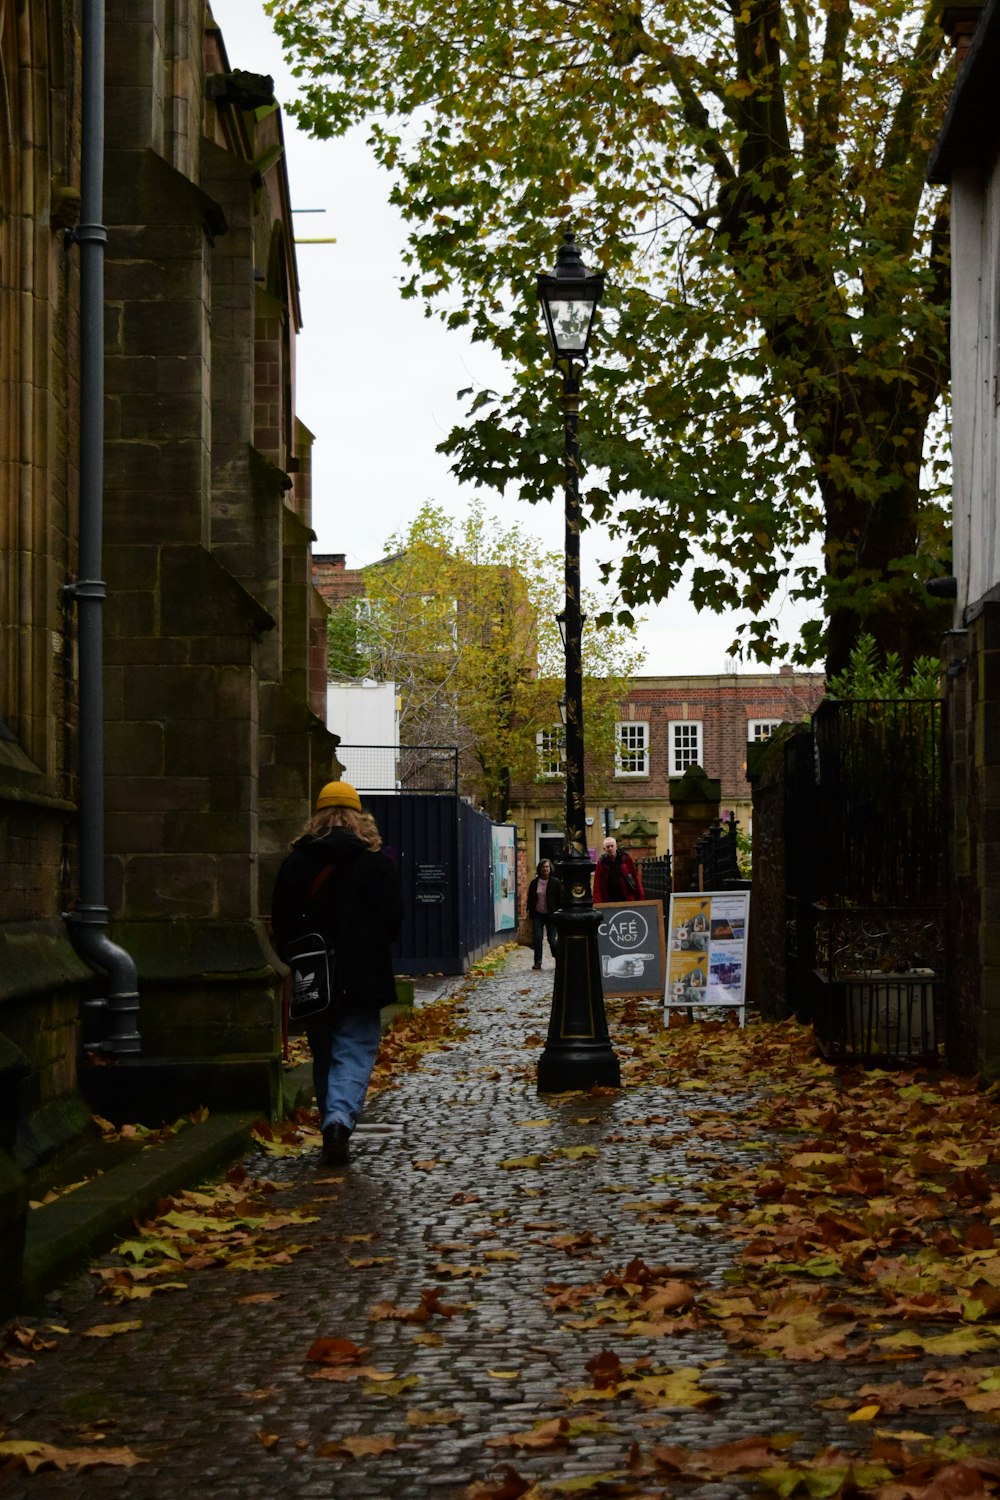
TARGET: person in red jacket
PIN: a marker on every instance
(616, 877)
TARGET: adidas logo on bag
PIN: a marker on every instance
(302, 983)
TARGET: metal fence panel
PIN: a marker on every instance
(401, 768)
(443, 851)
(866, 845)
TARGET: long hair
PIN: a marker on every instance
(360, 823)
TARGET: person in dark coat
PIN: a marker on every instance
(337, 882)
(616, 877)
(544, 900)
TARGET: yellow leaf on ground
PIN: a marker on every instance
(416, 1417)
(357, 1446)
(35, 1456)
(109, 1330)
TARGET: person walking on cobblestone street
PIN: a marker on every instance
(337, 882)
(544, 900)
(616, 877)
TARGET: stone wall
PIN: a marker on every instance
(42, 983)
(213, 635)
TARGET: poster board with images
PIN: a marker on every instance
(707, 951)
(504, 837)
(632, 947)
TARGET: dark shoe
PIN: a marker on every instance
(536, 966)
(336, 1148)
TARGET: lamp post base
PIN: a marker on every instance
(578, 1051)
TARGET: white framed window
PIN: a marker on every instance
(761, 729)
(550, 745)
(632, 748)
(685, 744)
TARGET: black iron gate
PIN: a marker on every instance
(865, 881)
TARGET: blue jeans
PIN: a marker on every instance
(543, 925)
(344, 1045)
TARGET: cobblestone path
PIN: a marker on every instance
(191, 1389)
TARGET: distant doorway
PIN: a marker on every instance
(549, 840)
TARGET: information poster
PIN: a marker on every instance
(504, 877)
(706, 950)
(631, 945)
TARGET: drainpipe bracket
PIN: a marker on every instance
(88, 916)
(83, 234)
(84, 588)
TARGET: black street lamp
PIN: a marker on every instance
(578, 1051)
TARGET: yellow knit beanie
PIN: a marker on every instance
(338, 794)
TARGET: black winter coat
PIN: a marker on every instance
(553, 895)
(357, 908)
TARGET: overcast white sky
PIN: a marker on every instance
(377, 380)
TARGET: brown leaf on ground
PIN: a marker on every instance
(429, 1306)
(441, 1417)
(328, 1351)
(741, 1456)
(28, 1339)
(358, 1446)
(509, 1486)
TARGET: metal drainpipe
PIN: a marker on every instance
(88, 921)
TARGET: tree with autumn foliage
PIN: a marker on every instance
(462, 617)
(773, 346)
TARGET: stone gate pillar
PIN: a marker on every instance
(694, 804)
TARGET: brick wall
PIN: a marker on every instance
(334, 580)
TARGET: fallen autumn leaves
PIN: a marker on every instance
(862, 1211)
(876, 1202)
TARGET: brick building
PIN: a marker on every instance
(666, 725)
(334, 580)
(213, 636)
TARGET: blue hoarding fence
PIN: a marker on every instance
(445, 853)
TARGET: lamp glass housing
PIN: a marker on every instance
(569, 298)
(569, 322)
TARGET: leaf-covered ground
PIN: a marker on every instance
(745, 1272)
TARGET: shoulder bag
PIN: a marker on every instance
(312, 962)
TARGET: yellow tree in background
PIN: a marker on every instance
(462, 617)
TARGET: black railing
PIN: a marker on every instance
(715, 863)
(865, 879)
(657, 880)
